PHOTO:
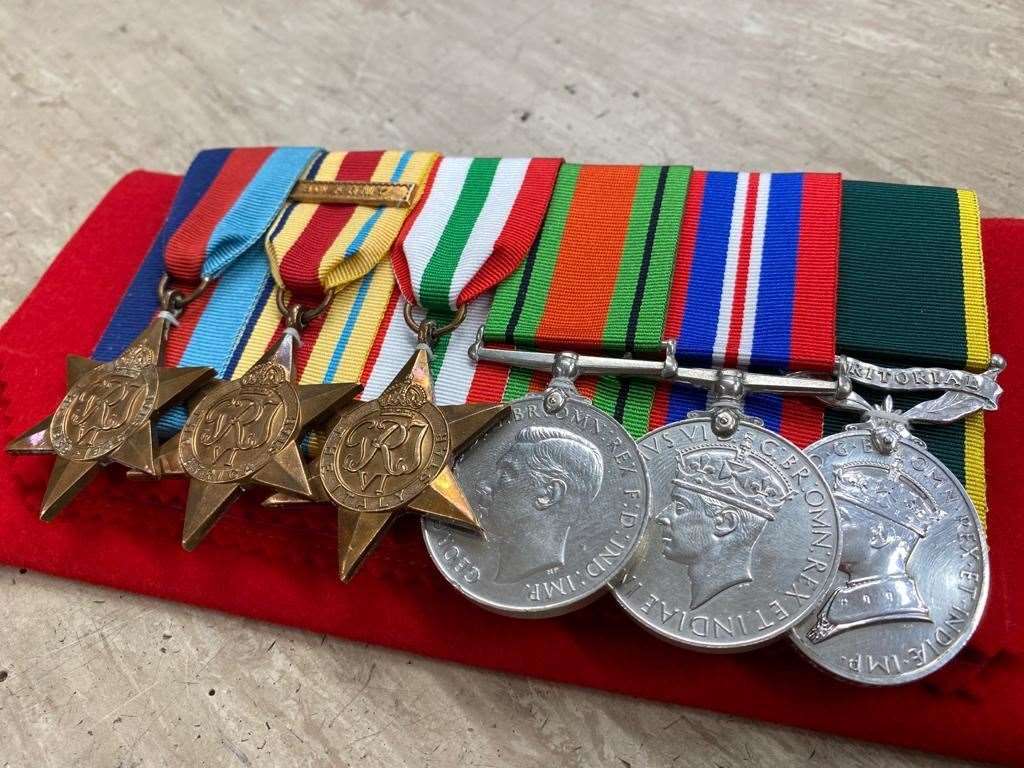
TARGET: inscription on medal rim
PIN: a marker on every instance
(902, 624)
(742, 540)
(561, 499)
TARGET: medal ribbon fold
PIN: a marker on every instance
(244, 189)
(318, 247)
(236, 319)
(476, 221)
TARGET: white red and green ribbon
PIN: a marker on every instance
(476, 221)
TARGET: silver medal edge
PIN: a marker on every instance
(965, 637)
(569, 605)
(769, 638)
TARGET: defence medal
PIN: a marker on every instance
(107, 416)
(244, 433)
(742, 537)
(392, 453)
(559, 483)
(914, 572)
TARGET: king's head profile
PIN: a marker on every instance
(542, 484)
(722, 499)
(884, 514)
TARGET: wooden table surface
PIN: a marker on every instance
(928, 92)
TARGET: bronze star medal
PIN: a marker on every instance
(245, 433)
(107, 415)
(393, 455)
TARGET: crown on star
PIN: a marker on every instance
(733, 476)
(134, 359)
(885, 490)
(404, 395)
(265, 375)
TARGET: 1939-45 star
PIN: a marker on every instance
(107, 416)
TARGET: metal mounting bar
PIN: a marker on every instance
(667, 370)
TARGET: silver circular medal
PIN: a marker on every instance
(913, 576)
(560, 491)
(742, 542)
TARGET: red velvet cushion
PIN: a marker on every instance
(280, 566)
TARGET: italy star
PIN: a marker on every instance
(107, 416)
(393, 455)
(244, 433)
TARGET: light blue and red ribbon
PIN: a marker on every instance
(214, 229)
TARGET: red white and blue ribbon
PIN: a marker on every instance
(755, 285)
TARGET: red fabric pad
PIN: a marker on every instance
(280, 566)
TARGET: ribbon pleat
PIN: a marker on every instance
(475, 223)
(317, 247)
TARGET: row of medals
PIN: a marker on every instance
(712, 532)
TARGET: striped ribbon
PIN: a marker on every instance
(912, 292)
(755, 279)
(598, 276)
(755, 286)
(476, 220)
(241, 192)
(236, 319)
(315, 247)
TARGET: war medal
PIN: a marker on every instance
(742, 537)
(559, 483)
(108, 413)
(914, 568)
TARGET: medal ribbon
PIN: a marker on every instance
(912, 292)
(598, 276)
(315, 247)
(235, 320)
(755, 286)
(218, 216)
(476, 220)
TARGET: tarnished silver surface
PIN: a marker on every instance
(914, 573)
(743, 540)
(560, 491)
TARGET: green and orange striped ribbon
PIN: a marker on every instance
(598, 277)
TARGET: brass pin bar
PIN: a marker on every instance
(373, 193)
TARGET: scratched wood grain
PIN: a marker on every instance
(929, 92)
